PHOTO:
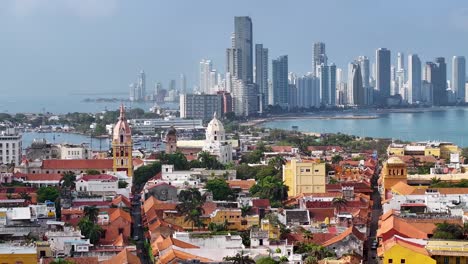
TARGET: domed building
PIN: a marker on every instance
(216, 143)
(122, 145)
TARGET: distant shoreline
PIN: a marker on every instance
(345, 114)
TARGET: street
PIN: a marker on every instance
(376, 213)
(138, 233)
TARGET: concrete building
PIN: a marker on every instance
(436, 149)
(261, 75)
(206, 67)
(319, 57)
(14, 254)
(308, 91)
(414, 79)
(356, 94)
(10, 147)
(149, 126)
(216, 143)
(200, 106)
(243, 40)
(101, 184)
(394, 171)
(382, 62)
(280, 81)
(304, 177)
(459, 78)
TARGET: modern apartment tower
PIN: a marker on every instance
(261, 75)
(280, 81)
(382, 61)
(243, 39)
(365, 70)
(356, 95)
(323, 75)
(206, 66)
(414, 79)
(459, 77)
(320, 56)
(440, 82)
(183, 83)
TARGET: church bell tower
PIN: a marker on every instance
(122, 145)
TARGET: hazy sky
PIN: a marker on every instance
(67, 46)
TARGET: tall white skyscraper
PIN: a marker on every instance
(459, 77)
(365, 70)
(142, 85)
(356, 95)
(206, 66)
(414, 79)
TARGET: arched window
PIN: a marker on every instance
(121, 138)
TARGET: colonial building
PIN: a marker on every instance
(122, 145)
(304, 177)
(393, 172)
(216, 143)
(171, 140)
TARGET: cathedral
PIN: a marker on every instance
(122, 145)
(216, 143)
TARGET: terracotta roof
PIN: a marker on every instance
(119, 241)
(281, 148)
(118, 213)
(121, 199)
(319, 214)
(209, 207)
(318, 238)
(149, 203)
(387, 245)
(39, 176)
(98, 177)
(165, 206)
(243, 184)
(168, 242)
(347, 232)
(124, 257)
(261, 203)
(405, 229)
(175, 255)
(83, 164)
(76, 260)
(72, 212)
(403, 188)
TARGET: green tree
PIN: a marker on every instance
(208, 161)
(68, 180)
(91, 212)
(27, 198)
(240, 258)
(191, 202)
(47, 194)
(146, 172)
(277, 162)
(448, 231)
(271, 188)
(177, 159)
(90, 230)
(93, 172)
(339, 203)
(266, 260)
(336, 159)
(123, 184)
(220, 189)
(245, 209)
(61, 261)
(308, 235)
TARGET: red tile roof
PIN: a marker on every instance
(261, 203)
(352, 230)
(38, 176)
(98, 177)
(81, 164)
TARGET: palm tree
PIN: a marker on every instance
(92, 213)
(240, 258)
(68, 180)
(308, 235)
(27, 198)
(277, 162)
(90, 230)
(339, 203)
(245, 210)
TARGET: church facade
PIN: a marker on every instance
(122, 145)
(216, 143)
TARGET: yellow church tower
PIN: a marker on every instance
(122, 145)
(394, 171)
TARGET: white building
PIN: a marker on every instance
(10, 147)
(216, 143)
(178, 178)
(69, 151)
(97, 184)
(64, 242)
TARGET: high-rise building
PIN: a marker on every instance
(414, 79)
(439, 84)
(356, 95)
(332, 82)
(261, 75)
(382, 62)
(365, 70)
(400, 75)
(10, 147)
(142, 85)
(206, 66)
(183, 83)
(280, 81)
(308, 91)
(323, 75)
(459, 77)
(243, 40)
(320, 56)
(200, 106)
(172, 85)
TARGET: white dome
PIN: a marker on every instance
(215, 130)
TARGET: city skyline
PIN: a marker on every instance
(91, 51)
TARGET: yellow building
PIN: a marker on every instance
(448, 251)
(435, 149)
(273, 230)
(122, 145)
(10, 254)
(304, 177)
(393, 172)
(398, 250)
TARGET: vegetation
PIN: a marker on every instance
(92, 172)
(68, 180)
(240, 258)
(47, 194)
(266, 260)
(220, 190)
(312, 253)
(339, 203)
(270, 187)
(61, 261)
(437, 183)
(122, 184)
(90, 229)
(146, 172)
(191, 206)
(92, 213)
(450, 231)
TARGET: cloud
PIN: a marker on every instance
(459, 19)
(80, 8)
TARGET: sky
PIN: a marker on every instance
(64, 47)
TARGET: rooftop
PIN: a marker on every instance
(16, 249)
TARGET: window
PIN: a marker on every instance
(121, 230)
(403, 261)
(446, 260)
(307, 170)
(390, 261)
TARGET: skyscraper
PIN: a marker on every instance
(141, 83)
(320, 56)
(280, 81)
(243, 40)
(459, 77)
(332, 80)
(400, 75)
(356, 95)
(382, 62)
(183, 83)
(323, 75)
(206, 66)
(365, 70)
(440, 83)
(414, 79)
(261, 74)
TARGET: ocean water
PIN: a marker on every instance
(450, 124)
